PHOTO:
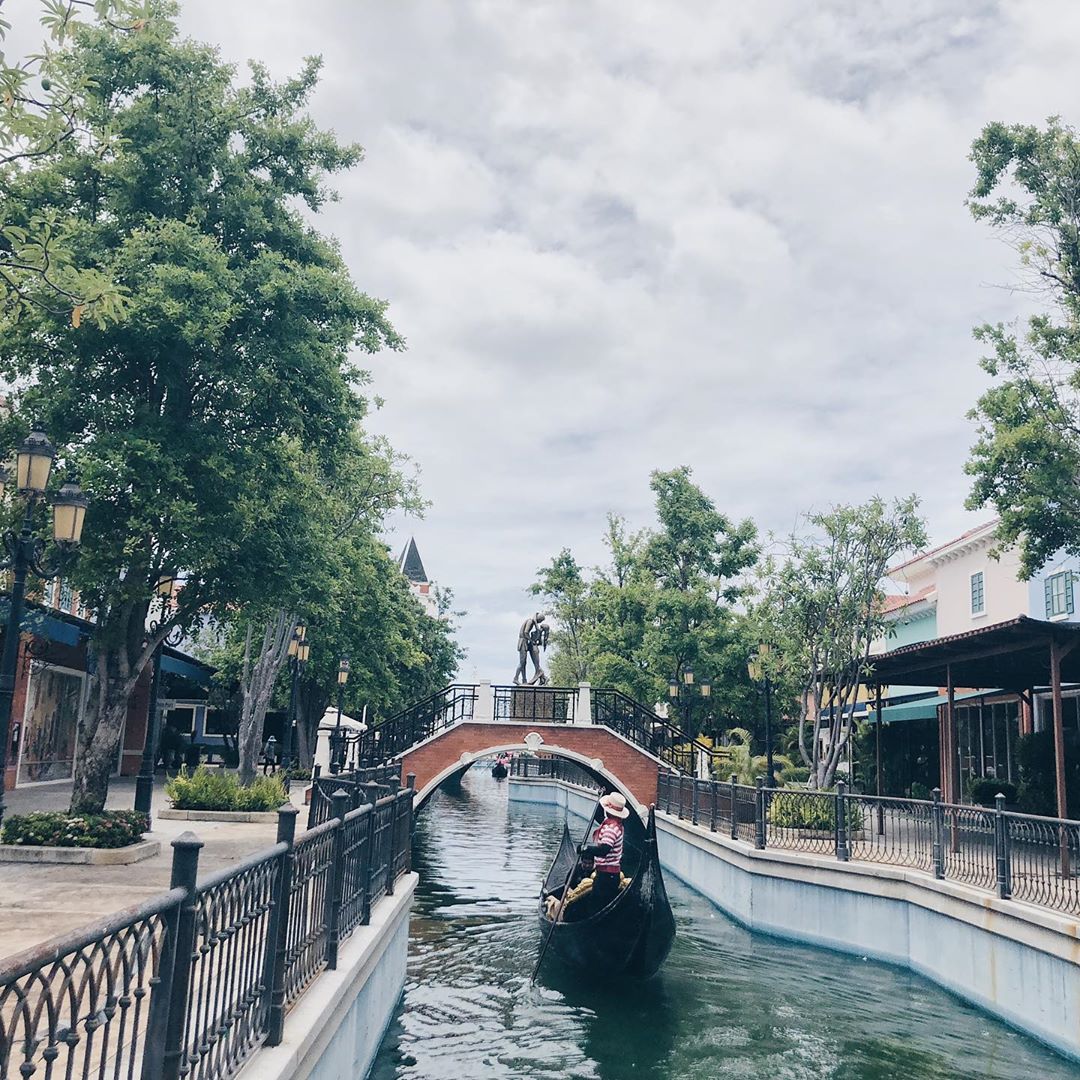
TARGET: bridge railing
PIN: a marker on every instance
(645, 728)
(535, 704)
(399, 733)
(1018, 856)
(192, 982)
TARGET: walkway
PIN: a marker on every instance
(38, 902)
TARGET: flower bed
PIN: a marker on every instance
(216, 789)
(55, 828)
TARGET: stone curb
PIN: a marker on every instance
(27, 853)
(241, 816)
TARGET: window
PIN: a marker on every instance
(978, 594)
(1059, 594)
(67, 594)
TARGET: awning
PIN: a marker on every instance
(924, 708)
(198, 673)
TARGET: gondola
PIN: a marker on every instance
(634, 933)
(498, 770)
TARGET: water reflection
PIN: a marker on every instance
(728, 1004)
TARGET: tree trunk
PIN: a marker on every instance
(257, 686)
(311, 703)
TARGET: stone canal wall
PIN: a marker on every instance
(334, 1031)
(980, 948)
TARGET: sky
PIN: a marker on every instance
(628, 236)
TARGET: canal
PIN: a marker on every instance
(727, 1003)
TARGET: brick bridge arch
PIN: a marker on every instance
(612, 759)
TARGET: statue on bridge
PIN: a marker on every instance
(531, 639)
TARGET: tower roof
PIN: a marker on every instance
(410, 563)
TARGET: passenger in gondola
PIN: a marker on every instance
(606, 851)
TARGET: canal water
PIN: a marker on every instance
(727, 1003)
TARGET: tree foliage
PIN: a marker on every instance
(823, 608)
(217, 420)
(665, 602)
(1026, 459)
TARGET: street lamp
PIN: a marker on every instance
(298, 654)
(680, 695)
(164, 588)
(337, 757)
(758, 669)
(26, 552)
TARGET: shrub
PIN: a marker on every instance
(813, 811)
(216, 789)
(56, 828)
(983, 790)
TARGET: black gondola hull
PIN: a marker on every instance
(632, 935)
(498, 771)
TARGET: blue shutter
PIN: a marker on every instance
(1049, 587)
(1069, 591)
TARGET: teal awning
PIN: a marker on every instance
(924, 708)
(176, 665)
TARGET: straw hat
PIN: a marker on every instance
(615, 805)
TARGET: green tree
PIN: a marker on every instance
(825, 608)
(42, 104)
(209, 421)
(1026, 459)
(562, 586)
(664, 603)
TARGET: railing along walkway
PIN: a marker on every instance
(192, 982)
(1018, 856)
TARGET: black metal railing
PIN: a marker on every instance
(553, 768)
(356, 783)
(1018, 856)
(535, 704)
(397, 734)
(644, 728)
(192, 982)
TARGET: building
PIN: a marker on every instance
(955, 588)
(412, 566)
(51, 684)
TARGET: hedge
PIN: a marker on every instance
(216, 789)
(813, 811)
(56, 828)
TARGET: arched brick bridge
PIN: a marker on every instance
(621, 742)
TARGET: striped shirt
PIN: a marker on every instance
(610, 832)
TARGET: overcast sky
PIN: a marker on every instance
(628, 236)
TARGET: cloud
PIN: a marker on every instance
(626, 236)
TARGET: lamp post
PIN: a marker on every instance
(681, 696)
(337, 757)
(758, 669)
(144, 782)
(298, 654)
(26, 552)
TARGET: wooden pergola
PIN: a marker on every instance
(1017, 656)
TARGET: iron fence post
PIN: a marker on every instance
(391, 854)
(734, 815)
(339, 803)
(410, 778)
(842, 850)
(185, 873)
(759, 812)
(278, 937)
(937, 820)
(693, 800)
(371, 790)
(314, 789)
(1001, 844)
(712, 814)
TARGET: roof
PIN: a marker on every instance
(1012, 655)
(942, 547)
(923, 709)
(410, 563)
(895, 603)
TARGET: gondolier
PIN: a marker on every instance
(606, 850)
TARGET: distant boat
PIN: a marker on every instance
(498, 770)
(634, 933)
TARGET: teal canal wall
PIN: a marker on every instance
(1018, 962)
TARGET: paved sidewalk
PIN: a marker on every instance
(38, 902)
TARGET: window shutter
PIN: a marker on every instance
(1069, 591)
(1049, 587)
